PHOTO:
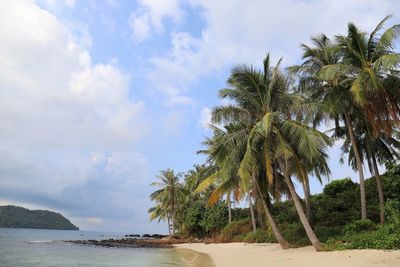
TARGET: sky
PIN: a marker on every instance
(97, 96)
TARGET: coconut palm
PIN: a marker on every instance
(262, 102)
(367, 61)
(222, 150)
(352, 74)
(372, 149)
(169, 197)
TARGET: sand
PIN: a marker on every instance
(271, 255)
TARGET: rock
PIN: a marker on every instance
(157, 236)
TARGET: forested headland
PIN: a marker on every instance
(18, 217)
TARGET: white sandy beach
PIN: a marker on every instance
(271, 255)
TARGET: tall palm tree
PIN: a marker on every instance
(169, 197)
(367, 61)
(263, 103)
(372, 148)
(351, 74)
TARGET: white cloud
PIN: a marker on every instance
(239, 32)
(68, 3)
(68, 127)
(205, 118)
(150, 15)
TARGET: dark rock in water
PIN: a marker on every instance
(132, 235)
(157, 236)
(126, 243)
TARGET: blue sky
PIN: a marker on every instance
(97, 96)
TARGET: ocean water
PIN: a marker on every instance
(34, 248)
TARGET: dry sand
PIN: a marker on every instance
(271, 255)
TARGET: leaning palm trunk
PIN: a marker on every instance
(306, 189)
(281, 240)
(299, 208)
(253, 219)
(228, 203)
(380, 189)
(359, 165)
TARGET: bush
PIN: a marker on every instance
(215, 218)
(386, 237)
(326, 233)
(235, 231)
(392, 209)
(295, 234)
(259, 236)
(359, 227)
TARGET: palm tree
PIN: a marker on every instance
(262, 103)
(222, 151)
(169, 198)
(372, 149)
(350, 74)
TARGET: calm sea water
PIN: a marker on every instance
(32, 248)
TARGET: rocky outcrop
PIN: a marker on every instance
(152, 242)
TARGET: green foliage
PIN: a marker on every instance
(18, 217)
(240, 214)
(385, 237)
(392, 209)
(235, 231)
(259, 236)
(295, 234)
(337, 205)
(215, 218)
(191, 217)
(359, 227)
(201, 221)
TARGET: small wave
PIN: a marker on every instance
(41, 241)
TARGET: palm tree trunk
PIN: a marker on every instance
(299, 208)
(228, 202)
(380, 189)
(253, 219)
(281, 240)
(359, 165)
(306, 189)
(169, 225)
(173, 225)
(259, 208)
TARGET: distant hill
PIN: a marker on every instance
(18, 217)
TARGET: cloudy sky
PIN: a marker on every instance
(97, 96)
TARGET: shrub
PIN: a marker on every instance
(295, 234)
(359, 227)
(386, 237)
(235, 231)
(259, 236)
(214, 218)
(392, 209)
(325, 233)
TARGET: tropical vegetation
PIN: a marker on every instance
(274, 134)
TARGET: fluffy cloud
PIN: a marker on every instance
(150, 15)
(205, 118)
(68, 127)
(236, 32)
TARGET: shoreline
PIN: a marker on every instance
(261, 255)
(194, 258)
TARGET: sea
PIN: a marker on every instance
(34, 248)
